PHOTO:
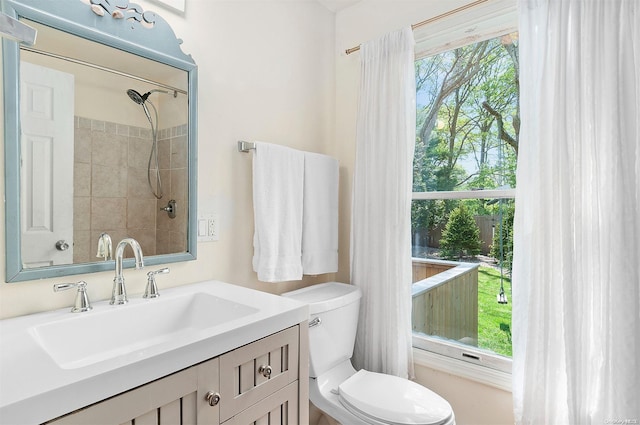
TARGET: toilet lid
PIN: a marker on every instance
(393, 400)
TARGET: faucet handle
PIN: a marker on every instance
(82, 302)
(151, 291)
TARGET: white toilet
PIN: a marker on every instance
(358, 397)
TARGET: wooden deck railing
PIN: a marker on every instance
(445, 299)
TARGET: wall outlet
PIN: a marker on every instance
(208, 227)
(213, 227)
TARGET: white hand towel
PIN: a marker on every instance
(278, 174)
(320, 214)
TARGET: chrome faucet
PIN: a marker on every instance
(119, 294)
(104, 247)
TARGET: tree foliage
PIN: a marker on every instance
(468, 125)
(461, 236)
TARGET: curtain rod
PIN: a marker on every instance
(430, 20)
(103, 68)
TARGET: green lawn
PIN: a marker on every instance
(494, 320)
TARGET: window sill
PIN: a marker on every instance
(480, 373)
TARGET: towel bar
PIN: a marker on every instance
(246, 146)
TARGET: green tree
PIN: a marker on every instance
(441, 75)
(426, 215)
(467, 127)
(461, 235)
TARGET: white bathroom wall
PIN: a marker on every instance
(266, 72)
(473, 403)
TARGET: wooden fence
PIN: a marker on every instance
(485, 225)
(445, 299)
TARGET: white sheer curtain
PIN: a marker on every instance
(381, 212)
(576, 278)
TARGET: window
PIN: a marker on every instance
(462, 210)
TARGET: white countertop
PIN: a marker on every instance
(34, 388)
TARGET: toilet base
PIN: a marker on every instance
(323, 393)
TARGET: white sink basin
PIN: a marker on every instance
(54, 362)
(83, 339)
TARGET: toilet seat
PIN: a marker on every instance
(389, 400)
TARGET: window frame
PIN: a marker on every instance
(450, 349)
(482, 22)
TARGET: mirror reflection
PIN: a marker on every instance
(104, 141)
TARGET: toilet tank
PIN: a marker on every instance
(333, 320)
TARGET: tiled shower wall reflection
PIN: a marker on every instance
(111, 192)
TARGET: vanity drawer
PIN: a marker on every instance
(169, 400)
(254, 371)
(280, 408)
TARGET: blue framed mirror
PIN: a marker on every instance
(100, 132)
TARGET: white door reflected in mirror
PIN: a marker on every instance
(47, 139)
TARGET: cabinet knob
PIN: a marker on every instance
(212, 398)
(265, 371)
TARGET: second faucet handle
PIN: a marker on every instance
(151, 291)
(82, 302)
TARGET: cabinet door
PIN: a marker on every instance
(208, 383)
(280, 408)
(243, 377)
(171, 400)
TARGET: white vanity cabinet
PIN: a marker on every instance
(256, 383)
